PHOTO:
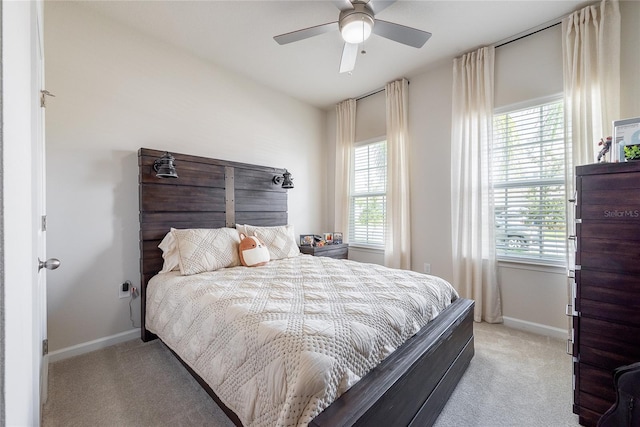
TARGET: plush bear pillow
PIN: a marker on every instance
(252, 251)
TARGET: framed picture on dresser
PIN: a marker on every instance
(306, 240)
(626, 140)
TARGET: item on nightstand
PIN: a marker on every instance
(253, 252)
(306, 240)
(625, 132)
(632, 151)
(337, 238)
(605, 149)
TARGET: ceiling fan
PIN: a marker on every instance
(356, 23)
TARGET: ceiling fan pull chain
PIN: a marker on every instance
(363, 52)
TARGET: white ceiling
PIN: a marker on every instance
(238, 35)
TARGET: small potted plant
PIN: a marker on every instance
(632, 152)
(632, 149)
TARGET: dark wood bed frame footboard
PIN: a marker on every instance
(412, 385)
(409, 388)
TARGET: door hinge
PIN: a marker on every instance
(43, 100)
(44, 223)
(45, 347)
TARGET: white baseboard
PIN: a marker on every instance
(76, 350)
(536, 328)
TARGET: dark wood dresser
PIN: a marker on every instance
(606, 294)
(338, 251)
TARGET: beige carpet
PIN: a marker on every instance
(515, 379)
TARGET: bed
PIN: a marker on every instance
(410, 386)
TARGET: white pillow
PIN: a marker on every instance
(203, 250)
(169, 253)
(280, 240)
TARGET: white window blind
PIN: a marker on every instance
(528, 184)
(368, 194)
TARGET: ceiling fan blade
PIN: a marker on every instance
(295, 36)
(379, 5)
(349, 55)
(400, 33)
(343, 4)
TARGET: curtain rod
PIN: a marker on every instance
(527, 34)
(373, 92)
(537, 29)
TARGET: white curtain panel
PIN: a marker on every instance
(591, 66)
(473, 244)
(591, 55)
(397, 252)
(345, 138)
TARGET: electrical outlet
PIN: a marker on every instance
(427, 268)
(122, 293)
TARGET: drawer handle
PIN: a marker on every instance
(572, 237)
(569, 310)
(569, 347)
(571, 274)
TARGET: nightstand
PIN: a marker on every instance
(339, 251)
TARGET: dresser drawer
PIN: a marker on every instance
(607, 254)
(608, 296)
(601, 345)
(338, 251)
(597, 309)
(598, 383)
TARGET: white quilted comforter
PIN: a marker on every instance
(279, 343)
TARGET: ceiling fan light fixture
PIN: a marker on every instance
(356, 28)
(356, 24)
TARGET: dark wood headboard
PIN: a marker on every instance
(209, 193)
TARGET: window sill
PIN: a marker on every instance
(366, 248)
(532, 265)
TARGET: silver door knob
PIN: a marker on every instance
(50, 264)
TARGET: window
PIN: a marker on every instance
(368, 194)
(528, 182)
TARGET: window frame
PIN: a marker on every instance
(352, 242)
(529, 260)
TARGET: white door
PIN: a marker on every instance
(39, 205)
(23, 207)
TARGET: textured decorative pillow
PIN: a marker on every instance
(203, 250)
(280, 240)
(169, 253)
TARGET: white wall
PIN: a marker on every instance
(116, 91)
(533, 297)
(430, 136)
